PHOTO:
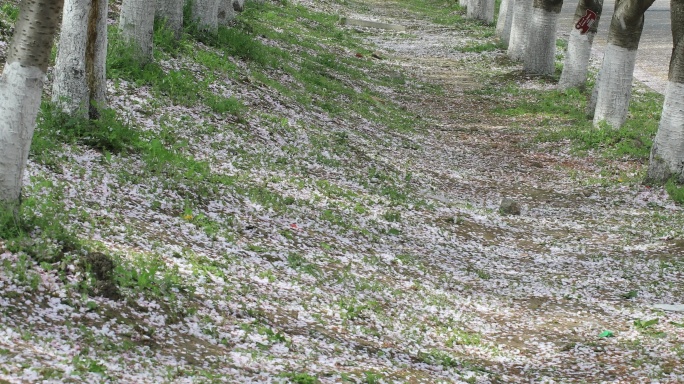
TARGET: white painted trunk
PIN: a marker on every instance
(69, 88)
(20, 90)
(503, 24)
(576, 62)
(239, 5)
(136, 23)
(667, 153)
(205, 13)
(540, 53)
(519, 28)
(615, 87)
(81, 59)
(481, 10)
(172, 12)
(226, 12)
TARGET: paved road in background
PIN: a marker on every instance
(653, 58)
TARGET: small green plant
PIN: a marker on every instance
(11, 11)
(479, 47)
(436, 356)
(106, 133)
(675, 191)
(301, 378)
(641, 324)
(372, 377)
(298, 262)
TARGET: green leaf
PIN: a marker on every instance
(631, 294)
(607, 334)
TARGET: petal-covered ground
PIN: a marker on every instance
(342, 226)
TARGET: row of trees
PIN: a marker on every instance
(528, 29)
(79, 86)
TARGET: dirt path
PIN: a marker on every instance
(558, 273)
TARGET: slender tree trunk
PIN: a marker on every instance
(205, 13)
(481, 10)
(667, 153)
(172, 12)
(226, 13)
(519, 28)
(80, 83)
(503, 23)
(617, 71)
(21, 86)
(576, 65)
(540, 53)
(136, 23)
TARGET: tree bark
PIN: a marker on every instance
(226, 12)
(239, 5)
(667, 153)
(617, 71)
(205, 14)
(540, 53)
(577, 57)
(136, 23)
(80, 85)
(481, 10)
(172, 12)
(503, 23)
(519, 28)
(21, 86)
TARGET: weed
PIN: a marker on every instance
(11, 11)
(675, 191)
(106, 133)
(298, 262)
(435, 356)
(479, 47)
(301, 378)
(372, 377)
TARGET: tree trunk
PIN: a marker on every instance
(587, 16)
(80, 85)
(205, 13)
(540, 53)
(481, 10)
(136, 23)
(21, 86)
(519, 27)
(617, 71)
(226, 13)
(172, 12)
(667, 153)
(503, 24)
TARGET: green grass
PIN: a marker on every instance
(560, 115)
(10, 11)
(675, 191)
(479, 47)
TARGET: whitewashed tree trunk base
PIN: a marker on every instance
(539, 58)
(576, 62)
(667, 154)
(20, 91)
(69, 89)
(136, 24)
(615, 87)
(519, 27)
(205, 13)
(481, 10)
(503, 24)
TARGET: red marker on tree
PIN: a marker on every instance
(586, 21)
